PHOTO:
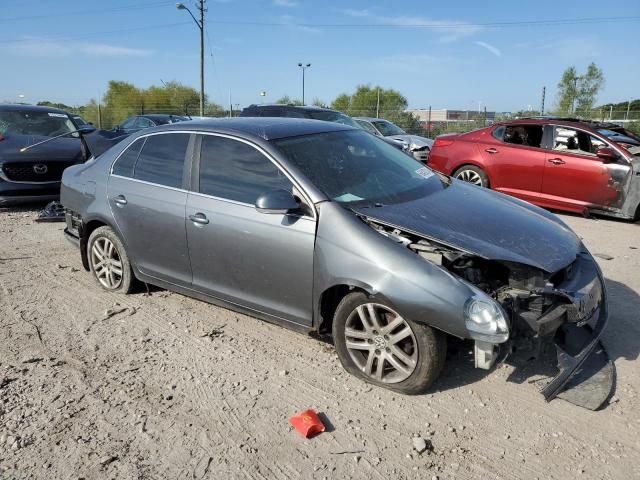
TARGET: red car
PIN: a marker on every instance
(558, 164)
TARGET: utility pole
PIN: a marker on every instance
(200, 25)
(610, 111)
(429, 123)
(544, 89)
(378, 105)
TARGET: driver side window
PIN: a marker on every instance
(574, 141)
(233, 170)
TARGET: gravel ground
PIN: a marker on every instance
(98, 385)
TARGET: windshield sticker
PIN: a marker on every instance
(348, 197)
(59, 115)
(424, 172)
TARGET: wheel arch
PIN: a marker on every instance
(88, 226)
(331, 297)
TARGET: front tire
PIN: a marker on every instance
(109, 262)
(472, 174)
(381, 347)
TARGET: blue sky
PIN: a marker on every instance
(449, 56)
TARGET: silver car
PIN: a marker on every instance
(324, 228)
(418, 146)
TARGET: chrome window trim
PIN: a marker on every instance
(224, 135)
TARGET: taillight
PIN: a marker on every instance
(441, 142)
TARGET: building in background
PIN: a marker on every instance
(444, 115)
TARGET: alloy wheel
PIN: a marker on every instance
(381, 343)
(469, 176)
(106, 263)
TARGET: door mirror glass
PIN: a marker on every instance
(607, 155)
(277, 201)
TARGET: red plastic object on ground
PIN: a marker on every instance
(307, 423)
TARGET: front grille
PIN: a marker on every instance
(34, 171)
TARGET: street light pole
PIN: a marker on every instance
(200, 24)
(303, 67)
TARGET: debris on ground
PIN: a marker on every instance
(603, 256)
(307, 423)
(421, 445)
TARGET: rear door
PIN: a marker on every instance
(515, 163)
(147, 198)
(574, 176)
(257, 260)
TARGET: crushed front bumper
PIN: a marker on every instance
(570, 363)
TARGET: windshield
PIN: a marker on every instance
(607, 133)
(336, 117)
(354, 167)
(388, 128)
(28, 122)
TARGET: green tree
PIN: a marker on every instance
(286, 100)
(577, 93)
(391, 106)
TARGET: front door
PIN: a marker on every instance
(574, 176)
(147, 199)
(257, 260)
(516, 161)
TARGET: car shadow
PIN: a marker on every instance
(621, 339)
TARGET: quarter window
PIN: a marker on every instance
(233, 170)
(162, 159)
(126, 161)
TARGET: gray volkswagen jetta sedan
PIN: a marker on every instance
(327, 229)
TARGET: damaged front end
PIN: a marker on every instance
(567, 308)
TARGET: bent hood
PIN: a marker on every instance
(60, 149)
(414, 141)
(484, 223)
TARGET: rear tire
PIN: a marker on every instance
(384, 348)
(109, 262)
(472, 174)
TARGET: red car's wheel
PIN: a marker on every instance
(472, 174)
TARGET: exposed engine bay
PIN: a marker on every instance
(542, 308)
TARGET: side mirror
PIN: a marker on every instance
(607, 155)
(86, 129)
(277, 201)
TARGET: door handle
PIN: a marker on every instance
(199, 219)
(556, 161)
(120, 200)
(491, 150)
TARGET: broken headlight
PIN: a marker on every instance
(485, 319)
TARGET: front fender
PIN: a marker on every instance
(349, 252)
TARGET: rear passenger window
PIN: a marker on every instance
(233, 170)
(162, 159)
(126, 161)
(525, 135)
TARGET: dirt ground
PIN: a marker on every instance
(96, 385)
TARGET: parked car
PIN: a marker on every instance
(323, 228)
(311, 113)
(559, 164)
(34, 174)
(418, 146)
(140, 122)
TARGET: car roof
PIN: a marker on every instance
(372, 119)
(29, 108)
(267, 128)
(160, 116)
(561, 121)
(308, 108)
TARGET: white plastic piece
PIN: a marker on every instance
(485, 354)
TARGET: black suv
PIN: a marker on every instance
(311, 113)
(292, 111)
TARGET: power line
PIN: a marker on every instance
(436, 25)
(90, 12)
(97, 34)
